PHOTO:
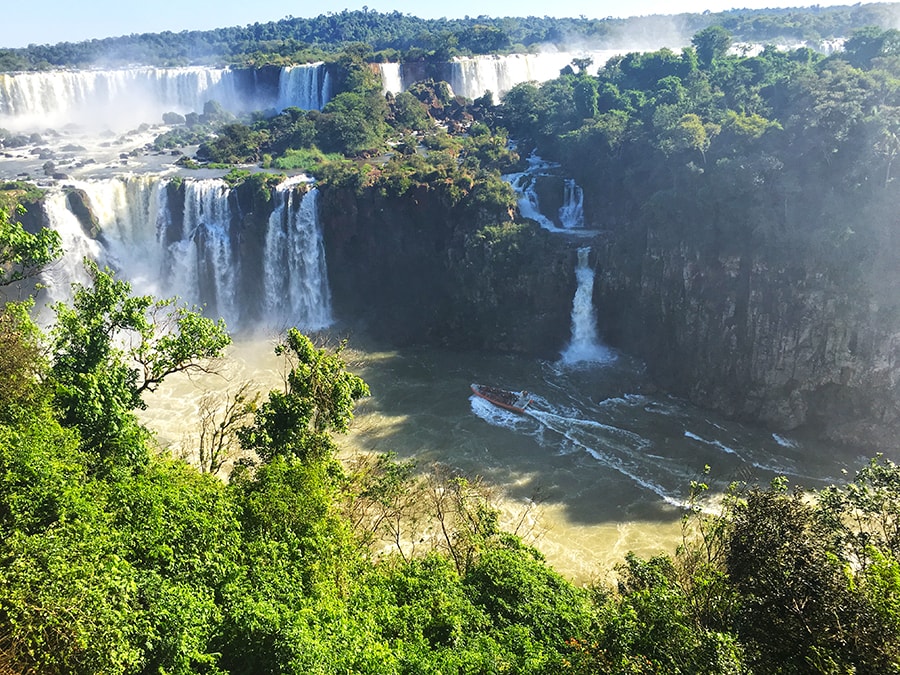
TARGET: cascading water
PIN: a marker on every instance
(202, 252)
(112, 97)
(523, 184)
(307, 86)
(123, 98)
(585, 345)
(296, 278)
(571, 213)
(472, 76)
(391, 79)
(203, 262)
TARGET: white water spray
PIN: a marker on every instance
(472, 76)
(117, 98)
(585, 345)
(306, 86)
(294, 269)
(205, 253)
(571, 213)
(391, 79)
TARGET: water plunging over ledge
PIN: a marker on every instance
(203, 251)
(569, 217)
(585, 345)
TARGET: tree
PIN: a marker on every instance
(219, 424)
(869, 43)
(22, 254)
(318, 399)
(352, 122)
(582, 64)
(109, 348)
(690, 133)
(711, 43)
(796, 613)
(410, 112)
(21, 360)
(586, 97)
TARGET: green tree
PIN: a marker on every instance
(21, 358)
(869, 43)
(109, 348)
(23, 254)
(318, 399)
(689, 134)
(352, 122)
(410, 112)
(586, 97)
(711, 43)
(648, 627)
(796, 613)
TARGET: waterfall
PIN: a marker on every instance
(585, 344)
(391, 79)
(296, 278)
(307, 86)
(203, 263)
(202, 252)
(118, 98)
(571, 213)
(57, 279)
(523, 184)
(472, 76)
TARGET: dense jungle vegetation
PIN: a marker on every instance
(396, 36)
(117, 558)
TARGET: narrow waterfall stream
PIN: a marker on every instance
(571, 213)
(585, 344)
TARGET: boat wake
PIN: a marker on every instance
(647, 440)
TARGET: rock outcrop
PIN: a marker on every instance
(783, 345)
(417, 271)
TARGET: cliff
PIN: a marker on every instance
(417, 270)
(789, 344)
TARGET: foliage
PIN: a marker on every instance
(317, 400)
(21, 358)
(711, 43)
(23, 254)
(167, 569)
(220, 420)
(110, 347)
(306, 160)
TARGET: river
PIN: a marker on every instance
(601, 464)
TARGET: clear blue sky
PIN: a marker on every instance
(50, 21)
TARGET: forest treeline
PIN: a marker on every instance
(118, 558)
(396, 36)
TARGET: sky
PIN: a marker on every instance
(51, 21)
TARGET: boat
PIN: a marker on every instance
(515, 401)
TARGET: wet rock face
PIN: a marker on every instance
(80, 206)
(787, 347)
(414, 271)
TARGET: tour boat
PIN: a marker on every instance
(516, 401)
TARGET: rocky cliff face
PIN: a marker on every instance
(785, 345)
(416, 270)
